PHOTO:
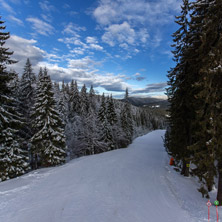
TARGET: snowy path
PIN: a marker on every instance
(126, 185)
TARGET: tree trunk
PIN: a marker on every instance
(185, 169)
(219, 190)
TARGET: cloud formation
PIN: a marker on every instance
(46, 6)
(128, 22)
(41, 27)
(137, 12)
(14, 19)
(83, 70)
(24, 48)
(6, 6)
(119, 33)
(151, 88)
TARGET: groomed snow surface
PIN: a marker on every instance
(127, 185)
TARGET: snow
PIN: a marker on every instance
(126, 185)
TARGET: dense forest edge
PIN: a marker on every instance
(193, 136)
(44, 123)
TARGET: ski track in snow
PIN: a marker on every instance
(126, 185)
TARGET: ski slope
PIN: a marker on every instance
(127, 185)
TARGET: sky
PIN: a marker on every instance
(110, 44)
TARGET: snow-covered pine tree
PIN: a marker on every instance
(111, 113)
(13, 159)
(105, 131)
(84, 101)
(49, 141)
(126, 118)
(76, 99)
(71, 101)
(102, 110)
(92, 99)
(27, 93)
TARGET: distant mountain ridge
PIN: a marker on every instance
(148, 102)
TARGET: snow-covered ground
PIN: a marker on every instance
(126, 185)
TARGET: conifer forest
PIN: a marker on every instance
(45, 124)
(194, 91)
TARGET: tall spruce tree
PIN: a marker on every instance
(126, 118)
(92, 102)
(49, 141)
(105, 132)
(111, 113)
(27, 93)
(84, 101)
(206, 18)
(13, 159)
(180, 95)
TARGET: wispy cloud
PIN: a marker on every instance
(14, 19)
(7, 7)
(84, 63)
(41, 27)
(73, 29)
(135, 12)
(46, 6)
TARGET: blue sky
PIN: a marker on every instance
(112, 44)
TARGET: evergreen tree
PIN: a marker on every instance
(126, 118)
(92, 101)
(27, 91)
(207, 146)
(49, 141)
(76, 99)
(84, 101)
(181, 95)
(105, 132)
(102, 110)
(111, 114)
(71, 101)
(13, 159)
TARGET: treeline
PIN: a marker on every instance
(195, 94)
(46, 124)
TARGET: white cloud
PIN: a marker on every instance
(40, 26)
(119, 33)
(83, 70)
(131, 22)
(46, 6)
(7, 7)
(79, 71)
(91, 40)
(93, 43)
(23, 49)
(78, 51)
(106, 13)
(96, 47)
(73, 29)
(135, 12)
(83, 63)
(14, 19)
